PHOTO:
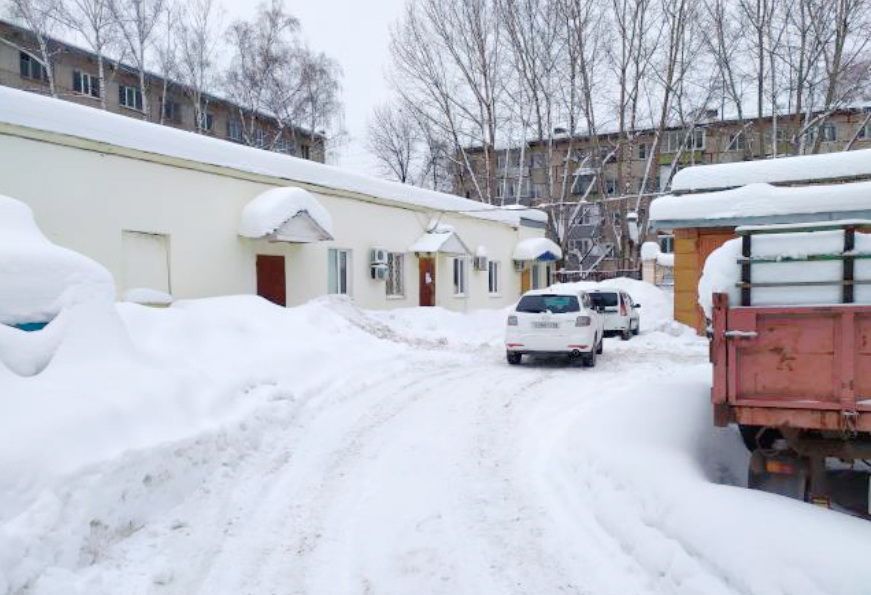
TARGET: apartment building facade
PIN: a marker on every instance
(596, 190)
(76, 79)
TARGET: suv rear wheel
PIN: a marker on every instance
(589, 359)
(513, 358)
(626, 334)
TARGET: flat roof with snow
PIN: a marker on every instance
(28, 110)
(844, 165)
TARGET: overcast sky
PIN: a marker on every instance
(356, 34)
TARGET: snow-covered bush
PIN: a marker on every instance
(38, 279)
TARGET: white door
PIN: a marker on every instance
(146, 261)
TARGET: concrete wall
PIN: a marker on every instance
(85, 199)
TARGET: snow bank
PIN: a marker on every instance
(665, 259)
(44, 113)
(272, 209)
(826, 166)
(37, 278)
(761, 200)
(147, 296)
(536, 248)
(722, 272)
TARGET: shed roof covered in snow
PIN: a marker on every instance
(35, 112)
(286, 214)
(846, 165)
(763, 204)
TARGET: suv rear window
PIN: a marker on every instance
(557, 304)
(603, 300)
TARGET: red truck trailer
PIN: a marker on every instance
(797, 381)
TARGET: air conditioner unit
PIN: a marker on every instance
(519, 265)
(378, 256)
(480, 263)
(379, 272)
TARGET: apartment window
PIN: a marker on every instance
(459, 276)
(171, 110)
(582, 245)
(493, 276)
(395, 274)
(305, 151)
(31, 68)
(692, 140)
(130, 97)
(338, 271)
(207, 120)
(86, 84)
(610, 186)
(259, 138)
(234, 130)
(828, 133)
(538, 160)
(737, 142)
(642, 151)
(282, 146)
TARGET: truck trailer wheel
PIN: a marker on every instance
(756, 437)
(781, 474)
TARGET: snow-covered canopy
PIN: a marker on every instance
(537, 249)
(37, 278)
(442, 239)
(742, 205)
(828, 166)
(63, 117)
(288, 214)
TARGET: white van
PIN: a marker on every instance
(620, 312)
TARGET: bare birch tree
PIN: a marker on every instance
(41, 17)
(137, 21)
(198, 34)
(92, 19)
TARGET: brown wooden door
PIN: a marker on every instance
(271, 283)
(525, 280)
(427, 281)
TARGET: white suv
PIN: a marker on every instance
(620, 312)
(549, 322)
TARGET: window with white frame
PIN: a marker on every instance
(666, 244)
(130, 97)
(460, 271)
(395, 274)
(493, 276)
(689, 140)
(207, 121)
(86, 84)
(339, 271)
(31, 68)
(581, 245)
(828, 133)
(737, 142)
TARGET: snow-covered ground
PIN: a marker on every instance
(230, 446)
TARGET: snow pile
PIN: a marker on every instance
(665, 259)
(537, 248)
(44, 113)
(147, 297)
(722, 273)
(37, 278)
(272, 209)
(649, 250)
(828, 166)
(763, 200)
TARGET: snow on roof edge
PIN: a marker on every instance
(47, 114)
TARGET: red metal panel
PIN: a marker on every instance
(718, 348)
(862, 326)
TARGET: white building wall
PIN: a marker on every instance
(85, 200)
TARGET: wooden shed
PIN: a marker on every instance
(704, 209)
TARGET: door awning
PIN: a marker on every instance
(537, 249)
(286, 215)
(442, 239)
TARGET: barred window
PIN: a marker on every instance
(395, 274)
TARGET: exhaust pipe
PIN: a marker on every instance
(575, 354)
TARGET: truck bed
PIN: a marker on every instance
(803, 367)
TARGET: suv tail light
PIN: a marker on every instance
(512, 321)
(582, 321)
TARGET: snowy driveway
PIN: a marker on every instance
(431, 466)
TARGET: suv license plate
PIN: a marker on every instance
(539, 324)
